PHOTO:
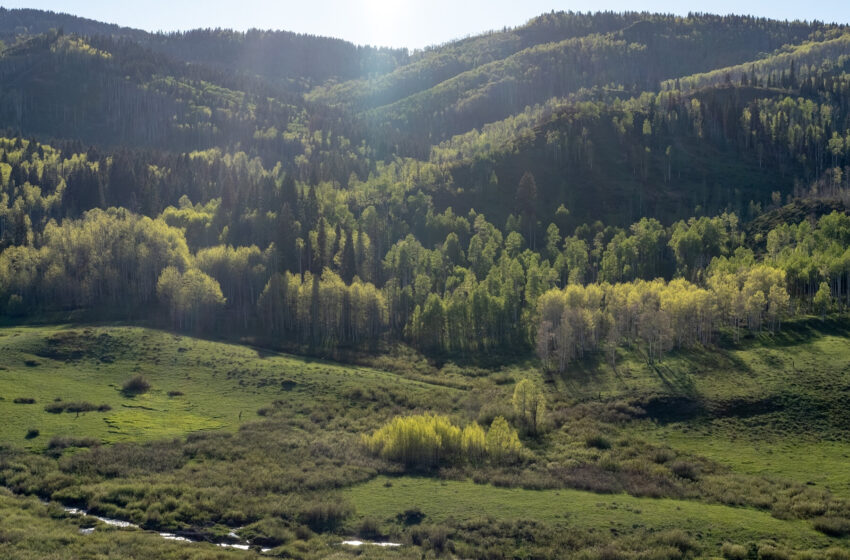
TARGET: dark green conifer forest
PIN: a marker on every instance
(267, 292)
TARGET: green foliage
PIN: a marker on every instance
(428, 440)
(823, 299)
(659, 315)
(417, 441)
(502, 442)
(136, 385)
(192, 298)
(529, 404)
(473, 442)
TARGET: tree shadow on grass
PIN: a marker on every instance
(586, 377)
(677, 382)
(793, 333)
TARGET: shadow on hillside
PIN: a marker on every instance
(581, 379)
(676, 382)
(793, 333)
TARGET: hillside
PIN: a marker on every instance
(577, 288)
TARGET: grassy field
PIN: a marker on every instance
(774, 405)
(745, 443)
(447, 500)
(196, 384)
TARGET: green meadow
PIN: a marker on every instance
(196, 385)
(737, 449)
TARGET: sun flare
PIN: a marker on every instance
(383, 20)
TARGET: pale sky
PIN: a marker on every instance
(397, 23)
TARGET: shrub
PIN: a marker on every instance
(62, 442)
(678, 539)
(136, 385)
(369, 529)
(422, 440)
(75, 407)
(598, 441)
(427, 440)
(502, 441)
(685, 469)
(24, 400)
(33, 433)
(473, 442)
(324, 515)
(268, 532)
(529, 404)
(434, 537)
(770, 552)
(175, 393)
(413, 516)
(832, 526)
(834, 553)
(661, 456)
(734, 551)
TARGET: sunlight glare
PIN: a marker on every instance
(384, 20)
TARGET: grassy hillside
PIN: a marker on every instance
(196, 385)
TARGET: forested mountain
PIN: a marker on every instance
(22, 22)
(361, 195)
(290, 59)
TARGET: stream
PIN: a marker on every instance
(243, 545)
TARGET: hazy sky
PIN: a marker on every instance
(397, 23)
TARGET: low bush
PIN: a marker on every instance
(685, 469)
(324, 515)
(771, 552)
(598, 441)
(678, 539)
(413, 516)
(269, 532)
(369, 529)
(24, 400)
(63, 442)
(136, 385)
(434, 537)
(75, 407)
(832, 526)
(835, 553)
(734, 551)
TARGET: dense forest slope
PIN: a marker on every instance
(437, 230)
(285, 58)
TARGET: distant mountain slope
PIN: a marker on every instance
(286, 58)
(34, 22)
(438, 64)
(116, 94)
(467, 84)
(280, 56)
(617, 115)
